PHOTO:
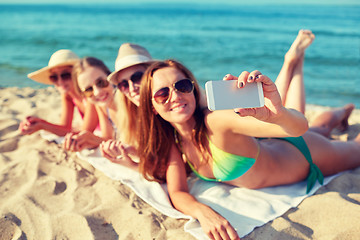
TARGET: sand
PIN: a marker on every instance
(48, 193)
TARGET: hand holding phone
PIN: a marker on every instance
(223, 95)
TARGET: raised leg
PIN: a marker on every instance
(290, 81)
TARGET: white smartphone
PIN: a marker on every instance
(223, 95)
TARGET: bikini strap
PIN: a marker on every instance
(178, 143)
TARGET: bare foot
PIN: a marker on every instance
(357, 139)
(298, 47)
(344, 124)
(337, 118)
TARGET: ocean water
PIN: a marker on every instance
(212, 40)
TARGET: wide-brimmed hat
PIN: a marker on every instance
(129, 55)
(63, 57)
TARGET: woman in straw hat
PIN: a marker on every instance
(130, 65)
(252, 148)
(58, 73)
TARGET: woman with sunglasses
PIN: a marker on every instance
(91, 77)
(58, 73)
(252, 148)
(130, 64)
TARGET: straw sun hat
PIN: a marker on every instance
(63, 57)
(129, 55)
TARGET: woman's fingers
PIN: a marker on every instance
(229, 77)
(242, 79)
(244, 112)
(68, 141)
(104, 149)
(79, 143)
(216, 226)
(22, 127)
(111, 150)
(223, 232)
(253, 76)
(73, 145)
(246, 77)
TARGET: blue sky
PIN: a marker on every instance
(341, 2)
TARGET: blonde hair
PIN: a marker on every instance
(128, 116)
(156, 136)
(80, 66)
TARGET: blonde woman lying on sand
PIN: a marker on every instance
(252, 148)
(91, 75)
(133, 60)
(130, 65)
(58, 73)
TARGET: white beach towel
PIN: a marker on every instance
(244, 208)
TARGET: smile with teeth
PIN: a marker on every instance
(102, 98)
(178, 107)
(135, 96)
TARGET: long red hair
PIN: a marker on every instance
(156, 136)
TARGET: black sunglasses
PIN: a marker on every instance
(123, 86)
(100, 83)
(162, 96)
(65, 76)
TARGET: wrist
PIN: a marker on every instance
(280, 116)
(201, 210)
(293, 122)
(42, 124)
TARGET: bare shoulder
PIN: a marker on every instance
(219, 120)
(175, 156)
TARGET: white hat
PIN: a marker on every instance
(63, 57)
(129, 55)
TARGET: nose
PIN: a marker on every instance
(60, 82)
(96, 90)
(133, 88)
(174, 95)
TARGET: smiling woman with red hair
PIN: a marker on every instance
(252, 148)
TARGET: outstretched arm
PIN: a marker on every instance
(212, 223)
(272, 120)
(33, 124)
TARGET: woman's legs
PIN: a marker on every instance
(290, 82)
(327, 121)
(333, 156)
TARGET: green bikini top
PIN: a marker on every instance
(226, 166)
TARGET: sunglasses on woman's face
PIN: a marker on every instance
(123, 86)
(162, 96)
(65, 76)
(100, 83)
